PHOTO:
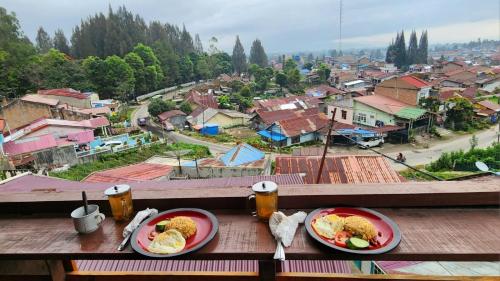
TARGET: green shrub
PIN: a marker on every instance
(465, 161)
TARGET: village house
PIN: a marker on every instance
(262, 119)
(176, 118)
(197, 99)
(488, 109)
(296, 130)
(383, 112)
(224, 118)
(292, 102)
(70, 97)
(448, 66)
(407, 89)
(344, 110)
(323, 91)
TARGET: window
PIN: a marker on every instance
(361, 118)
(344, 114)
(296, 139)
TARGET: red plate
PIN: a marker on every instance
(389, 237)
(206, 228)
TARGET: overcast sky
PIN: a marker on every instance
(284, 25)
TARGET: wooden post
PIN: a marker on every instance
(318, 178)
(267, 270)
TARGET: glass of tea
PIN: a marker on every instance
(266, 199)
(120, 199)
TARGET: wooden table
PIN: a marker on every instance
(467, 229)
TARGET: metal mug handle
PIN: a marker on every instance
(250, 197)
(100, 218)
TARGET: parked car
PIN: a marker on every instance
(370, 142)
(142, 121)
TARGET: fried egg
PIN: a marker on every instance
(328, 225)
(168, 242)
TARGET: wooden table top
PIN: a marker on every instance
(464, 234)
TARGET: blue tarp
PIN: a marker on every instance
(363, 133)
(273, 136)
(210, 129)
(241, 154)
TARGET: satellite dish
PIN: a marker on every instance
(482, 167)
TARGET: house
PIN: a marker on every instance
(355, 84)
(347, 169)
(70, 97)
(448, 66)
(322, 91)
(486, 108)
(131, 173)
(224, 118)
(295, 130)
(344, 110)
(407, 89)
(175, 117)
(263, 118)
(197, 99)
(380, 111)
(292, 102)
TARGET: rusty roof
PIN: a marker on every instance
(37, 183)
(270, 117)
(206, 99)
(65, 92)
(276, 103)
(167, 114)
(340, 169)
(136, 172)
(303, 125)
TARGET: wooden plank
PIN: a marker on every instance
(56, 270)
(428, 235)
(484, 192)
(299, 276)
(163, 276)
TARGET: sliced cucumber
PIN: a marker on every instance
(357, 243)
(160, 227)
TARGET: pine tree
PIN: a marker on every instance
(186, 41)
(413, 53)
(423, 48)
(43, 41)
(60, 41)
(400, 50)
(257, 54)
(239, 57)
(198, 46)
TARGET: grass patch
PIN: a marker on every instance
(445, 175)
(132, 156)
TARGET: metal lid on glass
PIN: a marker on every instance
(265, 187)
(117, 189)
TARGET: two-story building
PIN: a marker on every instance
(407, 89)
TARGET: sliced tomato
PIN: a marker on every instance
(152, 235)
(341, 238)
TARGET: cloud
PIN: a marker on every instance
(282, 25)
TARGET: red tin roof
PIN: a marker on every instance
(29, 145)
(302, 125)
(340, 169)
(415, 81)
(207, 99)
(65, 92)
(167, 114)
(136, 172)
(40, 99)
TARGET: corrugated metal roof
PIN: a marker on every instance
(167, 114)
(66, 92)
(313, 266)
(136, 172)
(340, 169)
(29, 183)
(29, 145)
(241, 154)
(382, 103)
(415, 81)
(40, 99)
(410, 113)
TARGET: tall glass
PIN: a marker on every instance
(120, 200)
(266, 199)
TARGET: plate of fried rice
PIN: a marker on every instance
(174, 232)
(353, 230)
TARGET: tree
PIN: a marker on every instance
(185, 69)
(257, 54)
(473, 142)
(224, 102)
(246, 92)
(219, 63)
(137, 65)
(281, 80)
(239, 57)
(186, 42)
(158, 106)
(119, 78)
(323, 72)
(186, 107)
(289, 65)
(423, 48)
(169, 63)
(400, 50)
(308, 65)
(413, 52)
(198, 46)
(460, 115)
(60, 42)
(202, 70)
(54, 70)
(43, 41)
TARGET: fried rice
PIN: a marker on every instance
(185, 225)
(360, 226)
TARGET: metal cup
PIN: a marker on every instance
(87, 223)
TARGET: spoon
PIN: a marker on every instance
(85, 203)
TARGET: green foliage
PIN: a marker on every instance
(402, 57)
(131, 156)
(60, 42)
(412, 54)
(236, 85)
(224, 102)
(430, 104)
(186, 69)
(239, 58)
(257, 54)
(473, 142)
(308, 65)
(281, 79)
(186, 107)
(158, 106)
(464, 161)
(460, 116)
(289, 66)
(43, 41)
(323, 72)
(246, 92)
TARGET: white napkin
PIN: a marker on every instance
(283, 229)
(141, 215)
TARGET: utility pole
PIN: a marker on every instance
(318, 178)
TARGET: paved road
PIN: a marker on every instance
(215, 148)
(425, 156)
